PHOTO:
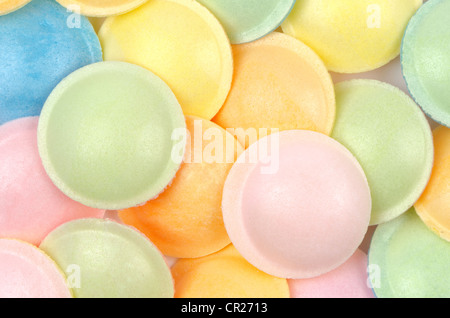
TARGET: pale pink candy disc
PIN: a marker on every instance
(31, 206)
(350, 280)
(27, 272)
(296, 204)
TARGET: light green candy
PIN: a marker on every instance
(105, 135)
(425, 59)
(408, 260)
(105, 259)
(392, 140)
(248, 20)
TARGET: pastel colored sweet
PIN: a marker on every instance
(391, 138)
(347, 281)
(433, 205)
(425, 59)
(105, 259)
(186, 219)
(279, 84)
(248, 20)
(30, 204)
(34, 61)
(351, 36)
(225, 274)
(7, 6)
(180, 41)
(408, 260)
(296, 204)
(101, 8)
(27, 272)
(105, 135)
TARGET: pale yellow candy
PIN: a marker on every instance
(101, 8)
(180, 41)
(351, 36)
(7, 6)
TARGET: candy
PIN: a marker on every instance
(105, 259)
(27, 272)
(298, 209)
(392, 140)
(278, 83)
(39, 46)
(425, 59)
(433, 205)
(30, 204)
(105, 135)
(407, 260)
(181, 42)
(101, 8)
(225, 274)
(7, 6)
(351, 36)
(186, 219)
(347, 281)
(248, 20)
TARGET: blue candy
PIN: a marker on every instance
(40, 44)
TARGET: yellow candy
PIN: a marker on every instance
(225, 274)
(101, 8)
(181, 42)
(433, 207)
(7, 6)
(352, 36)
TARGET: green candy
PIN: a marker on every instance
(392, 140)
(408, 260)
(425, 59)
(104, 259)
(105, 135)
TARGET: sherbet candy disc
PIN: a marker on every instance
(296, 204)
(30, 204)
(101, 8)
(185, 221)
(105, 135)
(408, 260)
(425, 59)
(279, 83)
(27, 272)
(39, 46)
(180, 41)
(249, 20)
(225, 274)
(347, 281)
(351, 36)
(392, 140)
(7, 6)
(434, 205)
(105, 259)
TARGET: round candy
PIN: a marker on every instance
(408, 260)
(433, 205)
(391, 138)
(30, 204)
(351, 36)
(105, 135)
(347, 281)
(296, 204)
(101, 8)
(181, 42)
(105, 259)
(7, 6)
(425, 59)
(27, 272)
(249, 20)
(225, 274)
(39, 45)
(279, 83)
(186, 220)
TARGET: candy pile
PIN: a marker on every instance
(224, 149)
